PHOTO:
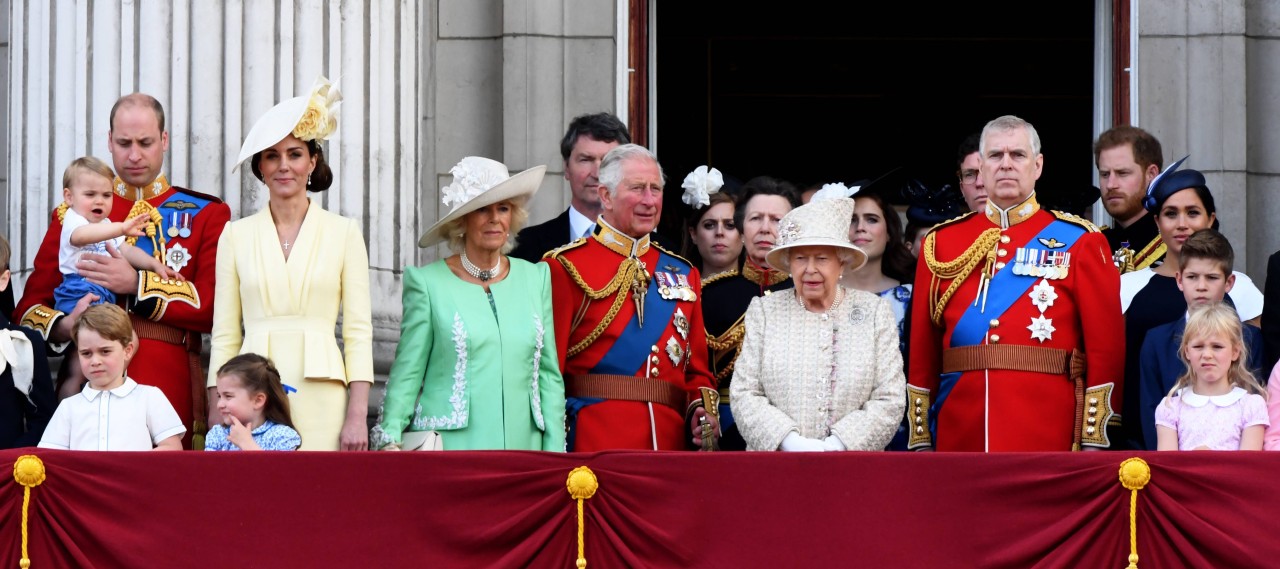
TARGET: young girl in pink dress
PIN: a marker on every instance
(1217, 404)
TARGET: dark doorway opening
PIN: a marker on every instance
(828, 92)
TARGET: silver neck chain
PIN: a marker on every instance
(477, 272)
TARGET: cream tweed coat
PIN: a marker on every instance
(800, 372)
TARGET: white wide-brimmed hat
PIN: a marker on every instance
(480, 182)
(819, 223)
(313, 116)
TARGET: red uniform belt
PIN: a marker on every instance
(625, 387)
(153, 330)
(1016, 358)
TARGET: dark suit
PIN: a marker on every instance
(1271, 315)
(534, 241)
(1161, 368)
(22, 421)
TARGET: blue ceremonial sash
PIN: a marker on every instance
(629, 354)
(1002, 292)
(180, 202)
(631, 351)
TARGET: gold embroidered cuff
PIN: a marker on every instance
(41, 318)
(155, 293)
(918, 403)
(1097, 415)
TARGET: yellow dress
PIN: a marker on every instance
(289, 311)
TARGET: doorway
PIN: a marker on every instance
(817, 92)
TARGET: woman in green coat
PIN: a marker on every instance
(477, 357)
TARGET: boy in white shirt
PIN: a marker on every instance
(113, 412)
(86, 189)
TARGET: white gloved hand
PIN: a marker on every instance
(833, 443)
(796, 443)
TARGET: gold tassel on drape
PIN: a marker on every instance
(582, 484)
(28, 471)
(1134, 476)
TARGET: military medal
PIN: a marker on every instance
(686, 289)
(185, 231)
(173, 224)
(666, 286)
(177, 257)
(682, 324)
(674, 351)
(1043, 295)
(1041, 328)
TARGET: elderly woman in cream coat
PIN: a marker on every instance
(820, 368)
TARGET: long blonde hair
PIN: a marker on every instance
(1217, 318)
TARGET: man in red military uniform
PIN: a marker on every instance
(1017, 340)
(629, 322)
(168, 316)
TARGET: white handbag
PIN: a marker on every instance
(421, 440)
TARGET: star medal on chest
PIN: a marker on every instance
(177, 256)
(1042, 296)
(682, 324)
(674, 351)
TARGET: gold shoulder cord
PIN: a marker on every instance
(157, 238)
(627, 273)
(729, 341)
(957, 269)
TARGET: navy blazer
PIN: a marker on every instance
(22, 422)
(1161, 368)
(534, 241)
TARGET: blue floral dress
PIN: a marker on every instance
(269, 436)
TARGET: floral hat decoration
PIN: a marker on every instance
(699, 185)
(479, 182)
(836, 190)
(310, 117)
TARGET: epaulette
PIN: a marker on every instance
(554, 253)
(953, 220)
(664, 250)
(213, 199)
(60, 211)
(1073, 218)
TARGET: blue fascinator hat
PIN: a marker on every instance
(1171, 181)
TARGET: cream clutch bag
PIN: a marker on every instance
(421, 440)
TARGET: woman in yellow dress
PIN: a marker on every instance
(286, 271)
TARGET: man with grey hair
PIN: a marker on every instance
(999, 360)
(628, 317)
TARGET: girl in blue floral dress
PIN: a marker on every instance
(254, 408)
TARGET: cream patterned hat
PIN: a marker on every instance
(820, 223)
(313, 116)
(479, 182)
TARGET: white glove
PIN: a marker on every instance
(796, 443)
(832, 443)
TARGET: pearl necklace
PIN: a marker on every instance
(834, 304)
(481, 274)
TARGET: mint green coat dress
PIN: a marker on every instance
(485, 364)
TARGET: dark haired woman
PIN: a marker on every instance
(286, 272)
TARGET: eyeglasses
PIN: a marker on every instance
(968, 176)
